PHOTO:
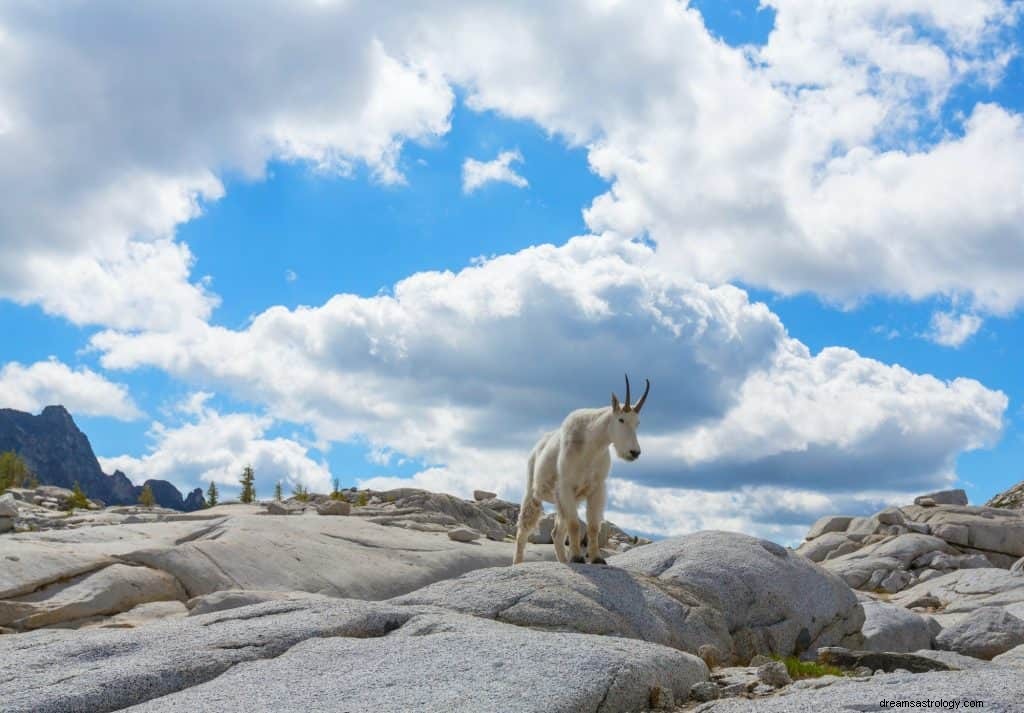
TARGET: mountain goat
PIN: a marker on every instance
(570, 465)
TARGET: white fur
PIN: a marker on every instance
(571, 465)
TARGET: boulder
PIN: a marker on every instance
(945, 497)
(774, 674)
(479, 495)
(1018, 568)
(984, 633)
(463, 534)
(829, 523)
(888, 627)
(334, 507)
(989, 529)
(233, 598)
(1014, 657)
(111, 590)
(774, 601)
(8, 505)
(963, 591)
(541, 534)
(895, 554)
(887, 661)
(393, 658)
(275, 507)
(823, 545)
(584, 599)
(6, 524)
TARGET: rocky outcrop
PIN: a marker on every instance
(899, 547)
(1011, 498)
(984, 633)
(393, 658)
(585, 599)
(59, 454)
(888, 627)
(773, 600)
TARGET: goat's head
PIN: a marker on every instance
(625, 420)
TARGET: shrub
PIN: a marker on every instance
(146, 498)
(300, 493)
(14, 473)
(78, 499)
(808, 669)
(362, 498)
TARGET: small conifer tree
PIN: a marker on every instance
(146, 498)
(301, 493)
(211, 495)
(13, 472)
(78, 498)
(277, 491)
(248, 481)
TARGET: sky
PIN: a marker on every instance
(393, 244)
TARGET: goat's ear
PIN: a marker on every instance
(615, 403)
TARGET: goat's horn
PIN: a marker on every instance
(628, 407)
(640, 403)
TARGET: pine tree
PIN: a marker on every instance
(336, 493)
(277, 491)
(248, 481)
(78, 499)
(146, 498)
(13, 472)
(211, 495)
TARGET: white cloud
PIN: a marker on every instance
(213, 446)
(477, 174)
(81, 391)
(811, 164)
(465, 370)
(953, 330)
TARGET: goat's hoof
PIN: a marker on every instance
(598, 560)
(578, 559)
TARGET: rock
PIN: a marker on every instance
(542, 533)
(891, 516)
(463, 534)
(925, 502)
(963, 591)
(773, 600)
(8, 506)
(335, 556)
(878, 660)
(111, 590)
(945, 497)
(233, 598)
(895, 581)
(704, 691)
(869, 566)
(925, 601)
(1018, 568)
(710, 654)
(479, 495)
(952, 533)
(661, 699)
(829, 523)
(275, 507)
(821, 546)
(1010, 498)
(952, 659)
(584, 599)
(6, 524)
(774, 674)
(334, 507)
(888, 627)
(1014, 657)
(989, 529)
(191, 664)
(984, 633)
(996, 687)
(760, 660)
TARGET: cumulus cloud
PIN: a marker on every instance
(211, 446)
(465, 370)
(477, 174)
(82, 391)
(819, 162)
(953, 330)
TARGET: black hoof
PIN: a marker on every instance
(578, 559)
(598, 560)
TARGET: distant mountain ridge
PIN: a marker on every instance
(54, 448)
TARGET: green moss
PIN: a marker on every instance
(808, 669)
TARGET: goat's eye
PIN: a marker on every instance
(621, 421)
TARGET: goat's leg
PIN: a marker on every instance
(558, 538)
(595, 514)
(530, 513)
(570, 521)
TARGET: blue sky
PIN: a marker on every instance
(262, 321)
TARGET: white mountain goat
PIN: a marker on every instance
(570, 465)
